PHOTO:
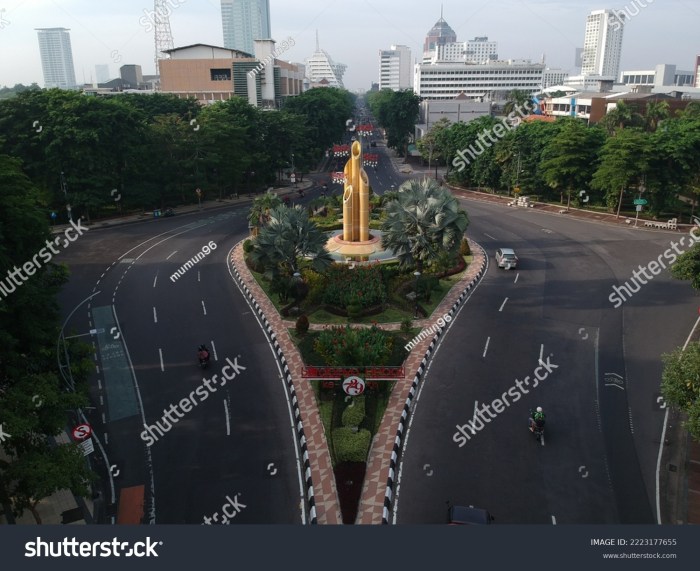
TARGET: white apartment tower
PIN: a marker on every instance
(395, 68)
(56, 58)
(478, 50)
(245, 21)
(602, 44)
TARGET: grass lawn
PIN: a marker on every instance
(443, 287)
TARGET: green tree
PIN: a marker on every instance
(425, 221)
(288, 237)
(680, 384)
(571, 158)
(623, 163)
(656, 111)
(431, 145)
(259, 213)
(34, 400)
(515, 100)
(621, 116)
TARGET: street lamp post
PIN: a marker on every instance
(65, 195)
(415, 290)
(297, 279)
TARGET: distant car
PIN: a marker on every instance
(506, 258)
(168, 212)
(461, 515)
(373, 144)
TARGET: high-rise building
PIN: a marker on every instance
(602, 44)
(478, 50)
(322, 70)
(245, 21)
(697, 71)
(102, 73)
(439, 35)
(56, 58)
(395, 68)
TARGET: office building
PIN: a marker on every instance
(602, 43)
(56, 58)
(245, 21)
(322, 71)
(102, 73)
(662, 75)
(478, 50)
(395, 68)
(439, 35)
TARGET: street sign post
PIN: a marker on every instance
(82, 432)
(640, 201)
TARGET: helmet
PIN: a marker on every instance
(539, 409)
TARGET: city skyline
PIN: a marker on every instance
(112, 33)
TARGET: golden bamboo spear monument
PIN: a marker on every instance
(355, 243)
(355, 198)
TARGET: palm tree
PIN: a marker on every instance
(288, 236)
(424, 222)
(261, 207)
(516, 99)
(656, 112)
(619, 117)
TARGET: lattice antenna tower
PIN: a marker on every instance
(163, 33)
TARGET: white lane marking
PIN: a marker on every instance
(99, 384)
(171, 255)
(160, 353)
(542, 439)
(486, 348)
(213, 348)
(104, 418)
(204, 307)
(554, 520)
(516, 278)
(228, 423)
(155, 280)
(489, 236)
(102, 400)
(541, 352)
(503, 304)
(106, 437)
(155, 316)
(199, 276)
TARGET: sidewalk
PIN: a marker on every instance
(190, 208)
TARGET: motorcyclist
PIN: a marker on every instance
(203, 353)
(536, 420)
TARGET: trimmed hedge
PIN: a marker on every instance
(351, 446)
(354, 413)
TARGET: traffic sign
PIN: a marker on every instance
(87, 446)
(82, 431)
(198, 191)
(353, 385)
(641, 201)
(638, 208)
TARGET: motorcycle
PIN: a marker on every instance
(537, 428)
(203, 356)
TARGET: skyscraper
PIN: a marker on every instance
(395, 68)
(245, 21)
(56, 58)
(439, 35)
(321, 69)
(102, 73)
(602, 44)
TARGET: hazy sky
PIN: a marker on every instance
(352, 32)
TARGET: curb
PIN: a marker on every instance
(390, 483)
(272, 337)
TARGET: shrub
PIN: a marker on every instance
(464, 248)
(362, 285)
(406, 326)
(302, 325)
(351, 446)
(354, 413)
(316, 285)
(248, 246)
(346, 346)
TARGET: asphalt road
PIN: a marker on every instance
(598, 461)
(229, 442)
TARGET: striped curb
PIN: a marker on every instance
(391, 480)
(290, 387)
